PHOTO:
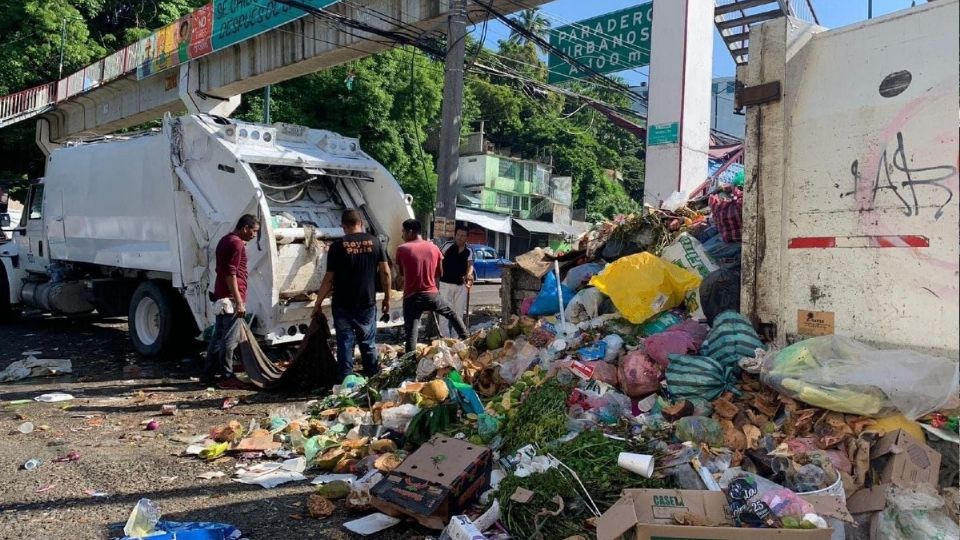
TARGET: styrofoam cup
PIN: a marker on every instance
(641, 464)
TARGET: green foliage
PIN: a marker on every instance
(391, 108)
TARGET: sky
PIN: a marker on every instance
(832, 14)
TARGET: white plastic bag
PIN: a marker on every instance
(916, 514)
(614, 346)
(398, 418)
(584, 306)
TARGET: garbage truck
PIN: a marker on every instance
(129, 224)
(851, 202)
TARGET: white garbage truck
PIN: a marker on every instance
(128, 225)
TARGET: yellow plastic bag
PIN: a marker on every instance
(643, 285)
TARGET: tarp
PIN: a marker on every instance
(491, 222)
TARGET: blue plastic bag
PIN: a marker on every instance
(546, 302)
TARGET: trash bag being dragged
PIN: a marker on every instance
(643, 285)
(844, 375)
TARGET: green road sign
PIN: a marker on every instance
(606, 44)
(663, 134)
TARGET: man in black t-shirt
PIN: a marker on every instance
(352, 265)
(457, 278)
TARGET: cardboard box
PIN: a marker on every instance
(900, 460)
(648, 515)
(904, 461)
(435, 482)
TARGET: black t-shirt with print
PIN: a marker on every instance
(353, 261)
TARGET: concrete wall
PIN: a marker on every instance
(851, 203)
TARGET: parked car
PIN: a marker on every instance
(487, 262)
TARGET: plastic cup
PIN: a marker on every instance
(25, 428)
(641, 464)
(31, 464)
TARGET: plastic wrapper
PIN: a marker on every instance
(781, 501)
(687, 252)
(642, 285)
(143, 519)
(546, 302)
(639, 375)
(916, 514)
(521, 359)
(699, 429)
(844, 375)
(660, 323)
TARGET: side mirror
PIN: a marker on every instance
(4, 220)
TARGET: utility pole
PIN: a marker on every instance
(266, 104)
(869, 9)
(448, 160)
(63, 40)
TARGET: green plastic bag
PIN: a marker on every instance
(700, 429)
(699, 377)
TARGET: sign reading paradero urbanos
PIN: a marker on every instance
(604, 44)
(217, 25)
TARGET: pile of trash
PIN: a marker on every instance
(629, 396)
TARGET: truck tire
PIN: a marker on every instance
(152, 320)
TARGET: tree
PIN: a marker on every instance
(533, 23)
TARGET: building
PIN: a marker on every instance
(722, 116)
(513, 204)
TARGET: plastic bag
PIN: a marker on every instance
(143, 519)
(580, 275)
(585, 305)
(397, 418)
(639, 376)
(699, 377)
(731, 339)
(614, 346)
(643, 285)
(699, 429)
(546, 302)
(720, 291)
(916, 514)
(683, 338)
(437, 358)
(844, 375)
(660, 323)
(687, 252)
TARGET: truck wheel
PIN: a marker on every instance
(152, 318)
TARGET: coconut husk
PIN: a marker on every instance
(387, 463)
(319, 506)
(753, 436)
(345, 465)
(831, 430)
(678, 410)
(725, 409)
(231, 433)
(338, 489)
(383, 446)
(734, 438)
(315, 427)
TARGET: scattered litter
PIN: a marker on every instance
(143, 519)
(271, 475)
(95, 493)
(33, 367)
(152, 425)
(45, 488)
(168, 410)
(230, 402)
(25, 428)
(54, 397)
(31, 464)
(69, 457)
(210, 475)
(327, 478)
(371, 524)
(319, 506)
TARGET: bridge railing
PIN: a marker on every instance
(27, 102)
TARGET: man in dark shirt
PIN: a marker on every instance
(419, 262)
(352, 265)
(229, 295)
(457, 278)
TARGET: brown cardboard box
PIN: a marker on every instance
(435, 482)
(648, 513)
(908, 461)
(899, 460)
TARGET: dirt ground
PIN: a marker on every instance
(122, 461)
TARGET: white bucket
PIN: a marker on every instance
(641, 464)
(836, 490)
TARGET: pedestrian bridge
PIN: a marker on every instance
(137, 84)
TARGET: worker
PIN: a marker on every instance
(230, 300)
(457, 278)
(419, 263)
(352, 266)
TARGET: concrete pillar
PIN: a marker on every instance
(678, 117)
(196, 101)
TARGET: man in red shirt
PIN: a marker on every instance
(229, 296)
(419, 262)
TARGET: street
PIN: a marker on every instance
(485, 294)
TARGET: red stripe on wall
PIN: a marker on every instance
(812, 242)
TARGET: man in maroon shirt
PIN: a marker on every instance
(229, 295)
(419, 262)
